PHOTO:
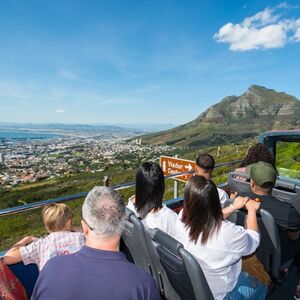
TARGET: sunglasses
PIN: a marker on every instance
(91, 228)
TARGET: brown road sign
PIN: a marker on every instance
(172, 165)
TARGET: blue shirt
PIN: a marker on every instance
(94, 274)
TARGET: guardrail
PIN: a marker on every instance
(38, 204)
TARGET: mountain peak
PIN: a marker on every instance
(256, 110)
(253, 89)
(257, 101)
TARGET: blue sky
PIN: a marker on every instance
(141, 61)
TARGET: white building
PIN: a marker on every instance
(1, 158)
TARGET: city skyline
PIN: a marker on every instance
(141, 62)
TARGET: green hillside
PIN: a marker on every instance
(288, 159)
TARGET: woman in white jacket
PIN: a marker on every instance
(217, 244)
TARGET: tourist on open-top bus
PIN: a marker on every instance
(287, 218)
(256, 153)
(99, 270)
(61, 240)
(147, 201)
(205, 164)
(217, 244)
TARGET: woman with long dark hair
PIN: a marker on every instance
(218, 245)
(147, 202)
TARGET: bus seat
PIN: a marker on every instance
(287, 191)
(143, 253)
(183, 270)
(134, 237)
(269, 250)
(165, 286)
(27, 275)
(239, 186)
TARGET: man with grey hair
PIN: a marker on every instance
(98, 270)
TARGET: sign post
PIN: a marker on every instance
(176, 185)
(173, 165)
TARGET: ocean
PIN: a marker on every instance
(26, 135)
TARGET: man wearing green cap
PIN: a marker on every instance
(262, 180)
(287, 218)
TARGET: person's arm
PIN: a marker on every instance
(239, 202)
(13, 255)
(233, 195)
(252, 207)
(244, 241)
(227, 211)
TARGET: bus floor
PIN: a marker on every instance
(286, 290)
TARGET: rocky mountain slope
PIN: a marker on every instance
(235, 118)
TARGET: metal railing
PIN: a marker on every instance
(38, 204)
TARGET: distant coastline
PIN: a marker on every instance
(26, 135)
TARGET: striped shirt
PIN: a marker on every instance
(56, 243)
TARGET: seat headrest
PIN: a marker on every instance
(166, 241)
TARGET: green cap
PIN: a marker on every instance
(262, 173)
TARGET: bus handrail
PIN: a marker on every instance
(38, 204)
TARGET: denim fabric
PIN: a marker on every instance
(247, 287)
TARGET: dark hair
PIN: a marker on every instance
(202, 212)
(205, 161)
(256, 153)
(149, 188)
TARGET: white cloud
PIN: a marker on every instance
(60, 111)
(264, 30)
(284, 5)
(297, 35)
(295, 27)
(261, 18)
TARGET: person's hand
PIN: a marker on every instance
(132, 199)
(240, 202)
(233, 195)
(28, 240)
(252, 205)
